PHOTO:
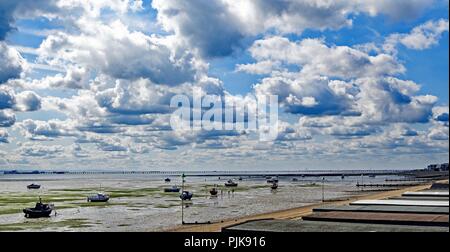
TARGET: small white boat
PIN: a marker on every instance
(99, 197)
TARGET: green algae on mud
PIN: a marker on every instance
(46, 224)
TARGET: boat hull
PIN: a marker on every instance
(98, 200)
(31, 213)
(170, 190)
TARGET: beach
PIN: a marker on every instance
(138, 201)
(295, 213)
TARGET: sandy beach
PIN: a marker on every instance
(294, 213)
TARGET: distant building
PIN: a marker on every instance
(438, 167)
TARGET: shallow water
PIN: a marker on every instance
(138, 203)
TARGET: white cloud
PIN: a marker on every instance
(314, 57)
(11, 63)
(27, 101)
(3, 135)
(421, 37)
(197, 22)
(340, 81)
(114, 50)
(7, 118)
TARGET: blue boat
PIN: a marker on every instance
(99, 197)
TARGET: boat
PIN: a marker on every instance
(33, 186)
(343, 176)
(185, 195)
(295, 179)
(231, 183)
(99, 197)
(240, 178)
(167, 180)
(274, 186)
(272, 180)
(214, 192)
(173, 189)
(39, 211)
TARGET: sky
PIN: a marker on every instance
(87, 85)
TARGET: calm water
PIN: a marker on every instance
(138, 203)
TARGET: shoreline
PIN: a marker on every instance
(292, 214)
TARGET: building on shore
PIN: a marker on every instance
(438, 167)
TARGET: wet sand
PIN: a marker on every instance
(139, 204)
(295, 213)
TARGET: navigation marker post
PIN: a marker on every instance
(182, 200)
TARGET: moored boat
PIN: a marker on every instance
(33, 186)
(214, 191)
(99, 197)
(272, 180)
(39, 211)
(173, 189)
(167, 180)
(231, 183)
(274, 186)
(185, 195)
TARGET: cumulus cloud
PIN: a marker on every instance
(10, 10)
(74, 78)
(11, 63)
(3, 135)
(41, 151)
(27, 101)
(114, 50)
(24, 101)
(137, 97)
(439, 133)
(389, 100)
(7, 98)
(198, 23)
(7, 118)
(40, 130)
(316, 58)
(440, 114)
(421, 37)
(341, 81)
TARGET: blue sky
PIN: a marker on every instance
(361, 84)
